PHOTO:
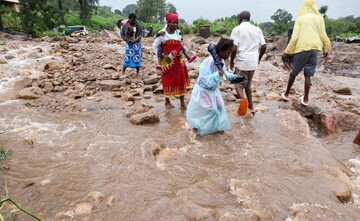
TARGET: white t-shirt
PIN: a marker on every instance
(161, 39)
(248, 38)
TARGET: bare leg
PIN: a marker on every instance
(168, 105)
(307, 88)
(182, 101)
(240, 91)
(248, 90)
(124, 68)
(137, 71)
(289, 85)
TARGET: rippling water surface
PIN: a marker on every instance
(259, 170)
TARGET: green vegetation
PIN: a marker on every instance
(10, 18)
(4, 153)
(343, 27)
(282, 21)
(8, 199)
(44, 17)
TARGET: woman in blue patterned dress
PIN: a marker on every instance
(131, 33)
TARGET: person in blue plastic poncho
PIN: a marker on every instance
(206, 111)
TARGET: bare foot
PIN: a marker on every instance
(193, 134)
(169, 106)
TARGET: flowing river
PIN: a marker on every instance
(95, 165)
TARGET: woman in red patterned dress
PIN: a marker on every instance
(174, 76)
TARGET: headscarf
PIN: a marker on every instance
(171, 17)
(307, 7)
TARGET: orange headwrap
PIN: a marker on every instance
(171, 17)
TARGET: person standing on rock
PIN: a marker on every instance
(249, 48)
(206, 112)
(131, 33)
(308, 37)
(174, 74)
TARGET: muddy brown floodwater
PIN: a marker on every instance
(81, 159)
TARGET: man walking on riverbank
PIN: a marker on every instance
(249, 47)
(308, 37)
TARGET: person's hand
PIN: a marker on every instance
(285, 58)
(221, 72)
(166, 57)
(160, 33)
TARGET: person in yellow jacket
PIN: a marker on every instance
(308, 37)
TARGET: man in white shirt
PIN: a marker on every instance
(249, 47)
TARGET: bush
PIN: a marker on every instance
(99, 22)
(72, 19)
(52, 33)
(10, 18)
(197, 23)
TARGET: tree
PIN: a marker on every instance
(1, 24)
(86, 8)
(103, 11)
(323, 10)
(266, 27)
(282, 21)
(170, 8)
(118, 12)
(64, 6)
(129, 9)
(32, 19)
(151, 10)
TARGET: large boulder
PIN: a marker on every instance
(145, 118)
(31, 93)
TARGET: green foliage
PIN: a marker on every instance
(222, 25)
(33, 21)
(342, 26)
(323, 10)
(156, 27)
(266, 27)
(282, 21)
(198, 22)
(4, 153)
(72, 18)
(227, 24)
(349, 35)
(98, 22)
(10, 18)
(38, 17)
(103, 11)
(64, 6)
(129, 9)
(52, 16)
(86, 10)
(52, 33)
(151, 10)
(117, 11)
(170, 8)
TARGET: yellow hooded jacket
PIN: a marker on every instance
(309, 30)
